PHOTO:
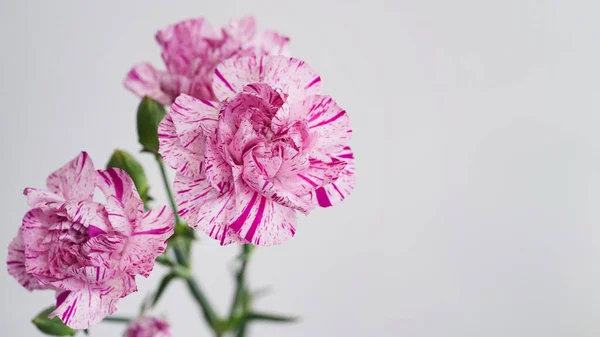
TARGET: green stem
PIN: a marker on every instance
(207, 310)
(240, 285)
(180, 254)
(163, 172)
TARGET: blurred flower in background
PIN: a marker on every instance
(192, 49)
(148, 326)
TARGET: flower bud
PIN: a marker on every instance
(149, 115)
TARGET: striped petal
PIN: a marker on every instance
(193, 119)
(173, 152)
(75, 180)
(144, 80)
(292, 76)
(123, 203)
(34, 231)
(205, 208)
(260, 220)
(89, 305)
(41, 198)
(184, 42)
(148, 240)
(15, 263)
(328, 124)
(242, 29)
(270, 42)
(181, 134)
(89, 214)
(338, 190)
(257, 175)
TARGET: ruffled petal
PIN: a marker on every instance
(148, 240)
(123, 204)
(338, 190)
(218, 171)
(89, 214)
(205, 208)
(184, 42)
(242, 29)
(41, 198)
(260, 220)
(270, 42)
(144, 80)
(256, 175)
(15, 263)
(194, 119)
(75, 180)
(292, 76)
(328, 124)
(182, 134)
(82, 308)
(34, 231)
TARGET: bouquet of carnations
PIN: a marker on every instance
(252, 141)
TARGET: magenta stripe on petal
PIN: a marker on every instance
(308, 180)
(313, 82)
(60, 299)
(155, 231)
(340, 114)
(94, 231)
(322, 197)
(118, 184)
(257, 219)
(239, 222)
(220, 76)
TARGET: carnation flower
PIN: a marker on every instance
(191, 50)
(272, 145)
(88, 252)
(148, 326)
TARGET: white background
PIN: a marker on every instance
(475, 124)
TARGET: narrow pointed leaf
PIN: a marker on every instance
(207, 310)
(163, 285)
(117, 319)
(258, 316)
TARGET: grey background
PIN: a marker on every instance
(476, 136)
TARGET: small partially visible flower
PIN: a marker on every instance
(271, 146)
(148, 326)
(192, 49)
(88, 252)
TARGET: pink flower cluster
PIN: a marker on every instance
(252, 139)
(148, 326)
(88, 252)
(192, 49)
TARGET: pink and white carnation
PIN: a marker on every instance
(272, 145)
(148, 326)
(87, 251)
(192, 49)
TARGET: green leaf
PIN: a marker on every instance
(52, 327)
(258, 316)
(126, 162)
(163, 285)
(149, 115)
(163, 259)
(207, 310)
